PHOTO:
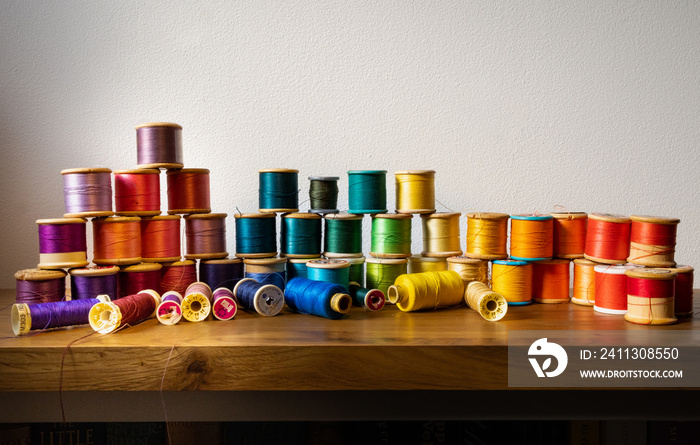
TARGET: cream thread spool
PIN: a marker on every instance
(420, 263)
(491, 305)
(441, 235)
(584, 282)
(650, 298)
(487, 235)
(653, 241)
(513, 280)
(469, 269)
(196, 304)
(415, 191)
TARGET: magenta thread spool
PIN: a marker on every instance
(62, 243)
(169, 311)
(87, 192)
(89, 282)
(57, 314)
(134, 279)
(137, 192)
(224, 305)
(36, 286)
(159, 145)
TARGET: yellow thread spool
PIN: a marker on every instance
(513, 280)
(487, 235)
(491, 305)
(419, 263)
(441, 235)
(196, 304)
(415, 191)
(429, 290)
(469, 269)
(584, 282)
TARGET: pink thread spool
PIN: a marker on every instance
(87, 192)
(159, 145)
(62, 243)
(224, 306)
(137, 192)
(134, 279)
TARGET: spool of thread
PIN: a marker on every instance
(116, 240)
(531, 237)
(419, 264)
(256, 235)
(367, 191)
(441, 235)
(301, 235)
(196, 303)
(205, 236)
(357, 269)
(331, 271)
(513, 280)
(608, 238)
(391, 235)
(89, 282)
(221, 273)
(371, 299)
(188, 191)
(428, 290)
(653, 241)
(137, 192)
(159, 145)
(34, 286)
(415, 191)
(684, 291)
(491, 305)
(160, 238)
(550, 281)
(106, 317)
(58, 314)
(62, 243)
(487, 235)
(382, 272)
(323, 194)
(569, 234)
(650, 296)
(323, 299)
(296, 267)
(177, 276)
(224, 306)
(343, 235)
(469, 269)
(170, 309)
(87, 192)
(133, 279)
(611, 289)
(279, 190)
(584, 282)
(265, 299)
(267, 270)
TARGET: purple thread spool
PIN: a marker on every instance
(89, 282)
(224, 306)
(159, 145)
(87, 192)
(40, 286)
(43, 316)
(169, 311)
(221, 273)
(62, 243)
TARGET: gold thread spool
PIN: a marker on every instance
(652, 310)
(415, 191)
(419, 263)
(569, 234)
(584, 282)
(513, 280)
(196, 304)
(429, 290)
(491, 305)
(469, 269)
(531, 237)
(440, 235)
(487, 235)
(652, 255)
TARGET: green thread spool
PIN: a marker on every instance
(256, 235)
(323, 194)
(357, 269)
(391, 235)
(343, 235)
(300, 235)
(279, 190)
(382, 272)
(330, 271)
(367, 191)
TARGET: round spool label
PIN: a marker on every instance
(224, 308)
(493, 314)
(169, 313)
(195, 307)
(375, 300)
(269, 300)
(105, 317)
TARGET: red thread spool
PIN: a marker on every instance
(684, 291)
(117, 240)
(653, 241)
(159, 145)
(134, 279)
(584, 282)
(569, 234)
(137, 192)
(188, 191)
(107, 317)
(177, 276)
(608, 238)
(611, 289)
(160, 238)
(206, 236)
(650, 296)
(550, 281)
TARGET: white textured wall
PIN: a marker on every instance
(518, 106)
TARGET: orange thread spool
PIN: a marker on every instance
(188, 191)
(608, 238)
(569, 234)
(531, 237)
(137, 192)
(650, 296)
(550, 281)
(653, 241)
(487, 235)
(177, 276)
(611, 289)
(160, 238)
(584, 282)
(116, 240)
(684, 291)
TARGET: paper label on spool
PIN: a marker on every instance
(169, 313)
(21, 319)
(195, 307)
(224, 308)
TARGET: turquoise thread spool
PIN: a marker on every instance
(357, 269)
(256, 235)
(301, 235)
(367, 191)
(330, 271)
(279, 190)
(323, 194)
(296, 267)
(391, 235)
(343, 235)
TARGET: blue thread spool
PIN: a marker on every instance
(330, 271)
(367, 191)
(265, 299)
(279, 190)
(256, 235)
(267, 270)
(221, 273)
(89, 282)
(342, 235)
(301, 235)
(296, 267)
(318, 298)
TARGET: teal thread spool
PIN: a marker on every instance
(300, 235)
(296, 267)
(256, 235)
(391, 235)
(367, 191)
(370, 299)
(357, 269)
(343, 235)
(382, 272)
(330, 271)
(279, 190)
(323, 194)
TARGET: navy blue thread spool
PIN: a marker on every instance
(279, 190)
(300, 235)
(265, 299)
(342, 236)
(323, 194)
(89, 282)
(218, 273)
(256, 235)
(330, 271)
(367, 191)
(329, 300)
(267, 270)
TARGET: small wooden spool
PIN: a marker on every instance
(181, 183)
(652, 255)
(651, 309)
(169, 141)
(83, 172)
(593, 240)
(180, 281)
(584, 286)
(127, 275)
(569, 234)
(398, 216)
(307, 216)
(408, 198)
(265, 265)
(196, 252)
(122, 186)
(488, 244)
(92, 272)
(239, 254)
(131, 246)
(61, 260)
(429, 222)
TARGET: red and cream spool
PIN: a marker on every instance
(188, 191)
(159, 145)
(650, 296)
(137, 192)
(134, 279)
(653, 241)
(62, 243)
(116, 240)
(160, 238)
(550, 281)
(569, 234)
(608, 238)
(584, 282)
(205, 236)
(611, 288)
(684, 291)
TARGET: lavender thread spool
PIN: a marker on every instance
(43, 316)
(87, 192)
(88, 282)
(40, 286)
(62, 243)
(159, 145)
